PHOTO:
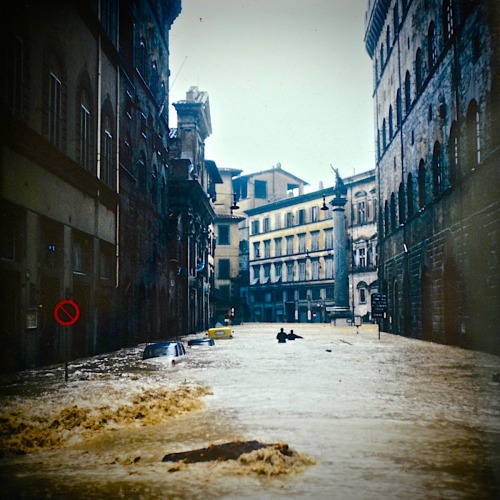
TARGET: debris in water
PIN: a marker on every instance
(49, 422)
(270, 459)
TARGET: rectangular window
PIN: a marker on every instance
(314, 214)
(267, 225)
(315, 269)
(329, 268)
(261, 189)
(315, 241)
(361, 212)
(302, 271)
(277, 272)
(277, 221)
(302, 243)
(267, 271)
(328, 239)
(289, 271)
(267, 249)
(277, 247)
(223, 238)
(289, 219)
(362, 257)
(362, 296)
(224, 269)
(289, 245)
(256, 250)
(302, 216)
(255, 227)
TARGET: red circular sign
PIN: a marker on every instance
(66, 313)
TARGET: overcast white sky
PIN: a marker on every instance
(289, 81)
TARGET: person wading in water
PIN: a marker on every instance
(281, 337)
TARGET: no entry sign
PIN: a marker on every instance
(66, 313)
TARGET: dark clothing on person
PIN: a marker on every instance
(292, 336)
(281, 337)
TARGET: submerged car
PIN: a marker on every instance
(170, 352)
(223, 332)
(201, 342)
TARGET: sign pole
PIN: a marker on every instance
(66, 358)
(66, 313)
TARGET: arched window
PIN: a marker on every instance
(393, 212)
(388, 40)
(141, 170)
(409, 195)
(473, 135)
(386, 218)
(154, 186)
(142, 57)
(54, 101)
(421, 184)
(399, 112)
(391, 126)
(419, 74)
(384, 135)
(85, 132)
(448, 22)
(407, 92)
(126, 152)
(453, 158)
(437, 169)
(107, 173)
(431, 45)
(401, 203)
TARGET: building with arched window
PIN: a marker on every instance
(83, 165)
(437, 175)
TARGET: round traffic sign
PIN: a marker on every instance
(66, 313)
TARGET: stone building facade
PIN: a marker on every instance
(291, 247)
(146, 299)
(227, 279)
(85, 172)
(191, 236)
(437, 105)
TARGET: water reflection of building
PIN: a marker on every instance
(292, 260)
(437, 102)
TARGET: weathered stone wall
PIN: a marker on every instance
(438, 242)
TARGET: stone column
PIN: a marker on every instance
(341, 310)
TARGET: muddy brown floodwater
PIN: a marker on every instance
(348, 416)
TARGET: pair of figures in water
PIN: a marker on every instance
(283, 336)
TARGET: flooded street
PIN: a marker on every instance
(368, 418)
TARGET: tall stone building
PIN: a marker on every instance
(437, 106)
(84, 175)
(147, 299)
(192, 191)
